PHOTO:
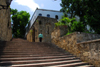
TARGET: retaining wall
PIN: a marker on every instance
(84, 45)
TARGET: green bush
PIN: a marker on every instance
(77, 26)
(72, 25)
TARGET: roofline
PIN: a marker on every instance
(43, 10)
(33, 14)
(48, 10)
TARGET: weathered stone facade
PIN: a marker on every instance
(5, 23)
(89, 51)
(42, 25)
(31, 35)
(83, 45)
(82, 37)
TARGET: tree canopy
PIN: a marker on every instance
(87, 10)
(20, 19)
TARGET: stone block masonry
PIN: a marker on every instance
(90, 51)
(83, 45)
(42, 25)
(82, 37)
(5, 23)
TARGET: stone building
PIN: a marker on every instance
(45, 13)
(42, 25)
(42, 21)
(5, 23)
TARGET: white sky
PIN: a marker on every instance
(29, 3)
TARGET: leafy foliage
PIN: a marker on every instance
(72, 24)
(87, 10)
(77, 26)
(20, 19)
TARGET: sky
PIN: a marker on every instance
(31, 5)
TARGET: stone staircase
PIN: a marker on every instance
(21, 53)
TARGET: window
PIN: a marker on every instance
(40, 14)
(48, 15)
(56, 16)
(40, 22)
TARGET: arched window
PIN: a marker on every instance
(56, 17)
(48, 15)
(40, 14)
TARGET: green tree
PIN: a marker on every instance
(20, 19)
(87, 10)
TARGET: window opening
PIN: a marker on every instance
(40, 22)
(56, 16)
(48, 15)
(40, 14)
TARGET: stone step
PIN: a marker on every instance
(69, 65)
(28, 46)
(47, 64)
(35, 58)
(32, 55)
(20, 53)
(25, 51)
(33, 52)
(73, 59)
(86, 66)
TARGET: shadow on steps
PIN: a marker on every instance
(2, 47)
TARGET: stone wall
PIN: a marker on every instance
(46, 27)
(5, 23)
(89, 51)
(81, 36)
(76, 43)
(31, 36)
(42, 25)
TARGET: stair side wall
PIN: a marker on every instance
(82, 45)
